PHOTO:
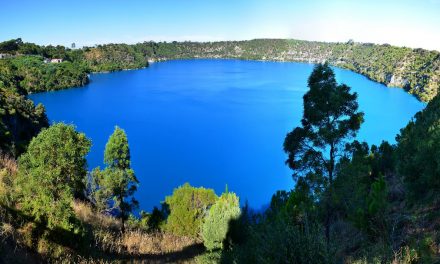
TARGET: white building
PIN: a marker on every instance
(56, 60)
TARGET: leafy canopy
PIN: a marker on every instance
(330, 118)
(418, 152)
(116, 185)
(117, 152)
(51, 173)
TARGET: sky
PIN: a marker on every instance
(411, 23)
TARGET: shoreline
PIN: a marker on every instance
(310, 61)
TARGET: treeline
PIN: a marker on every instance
(29, 74)
(415, 70)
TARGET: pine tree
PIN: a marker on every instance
(330, 119)
(117, 183)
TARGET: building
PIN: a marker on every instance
(4, 55)
(56, 60)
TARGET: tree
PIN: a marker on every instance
(20, 121)
(217, 222)
(116, 185)
(188, 207)
(117, 152)
(52, 173)
(418, 149)
(330, 119)
(10, 46)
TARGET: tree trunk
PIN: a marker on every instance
(121, 200)
(329, 198)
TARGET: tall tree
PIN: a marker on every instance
(330, 119)
(51, 173)
(117, 152)
(117, 183)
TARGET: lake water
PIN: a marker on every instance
(213, 122)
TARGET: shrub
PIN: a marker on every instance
(217, 222)
(51, 174)
(188, 207)
(279, 241)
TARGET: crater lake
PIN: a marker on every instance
(213, 123)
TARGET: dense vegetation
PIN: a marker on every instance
(416, 70)
(380, 207)
(352, 203)
(20, 120)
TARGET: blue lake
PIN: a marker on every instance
(213, 122)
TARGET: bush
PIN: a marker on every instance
(51, 174)
(418, 150)
(188, 207)
(217, 222)
(279, 241)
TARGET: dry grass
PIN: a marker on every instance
(8, 163)
(8, 174)
(137, 243)
(7, 231)
(134, 242)
(106, 244)
(87, 215)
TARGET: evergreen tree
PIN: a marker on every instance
(217, 222)
(116, 184)
(117, 152)
(330, 118)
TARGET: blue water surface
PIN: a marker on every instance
(213, 122)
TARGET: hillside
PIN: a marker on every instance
(415, 70)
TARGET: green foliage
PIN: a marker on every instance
(117, 152)
(115, 186)
(150, 222)
(418, 150)
(10, 46)
(20, 121)
(114, 57)
(209, 257)
(377, 200)
(155, 220)
(188, 207)
(360, 189)
(279, 241)
(217, 222)
(416, 70)
(31, 74)
(330, 119)
(51, 173)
